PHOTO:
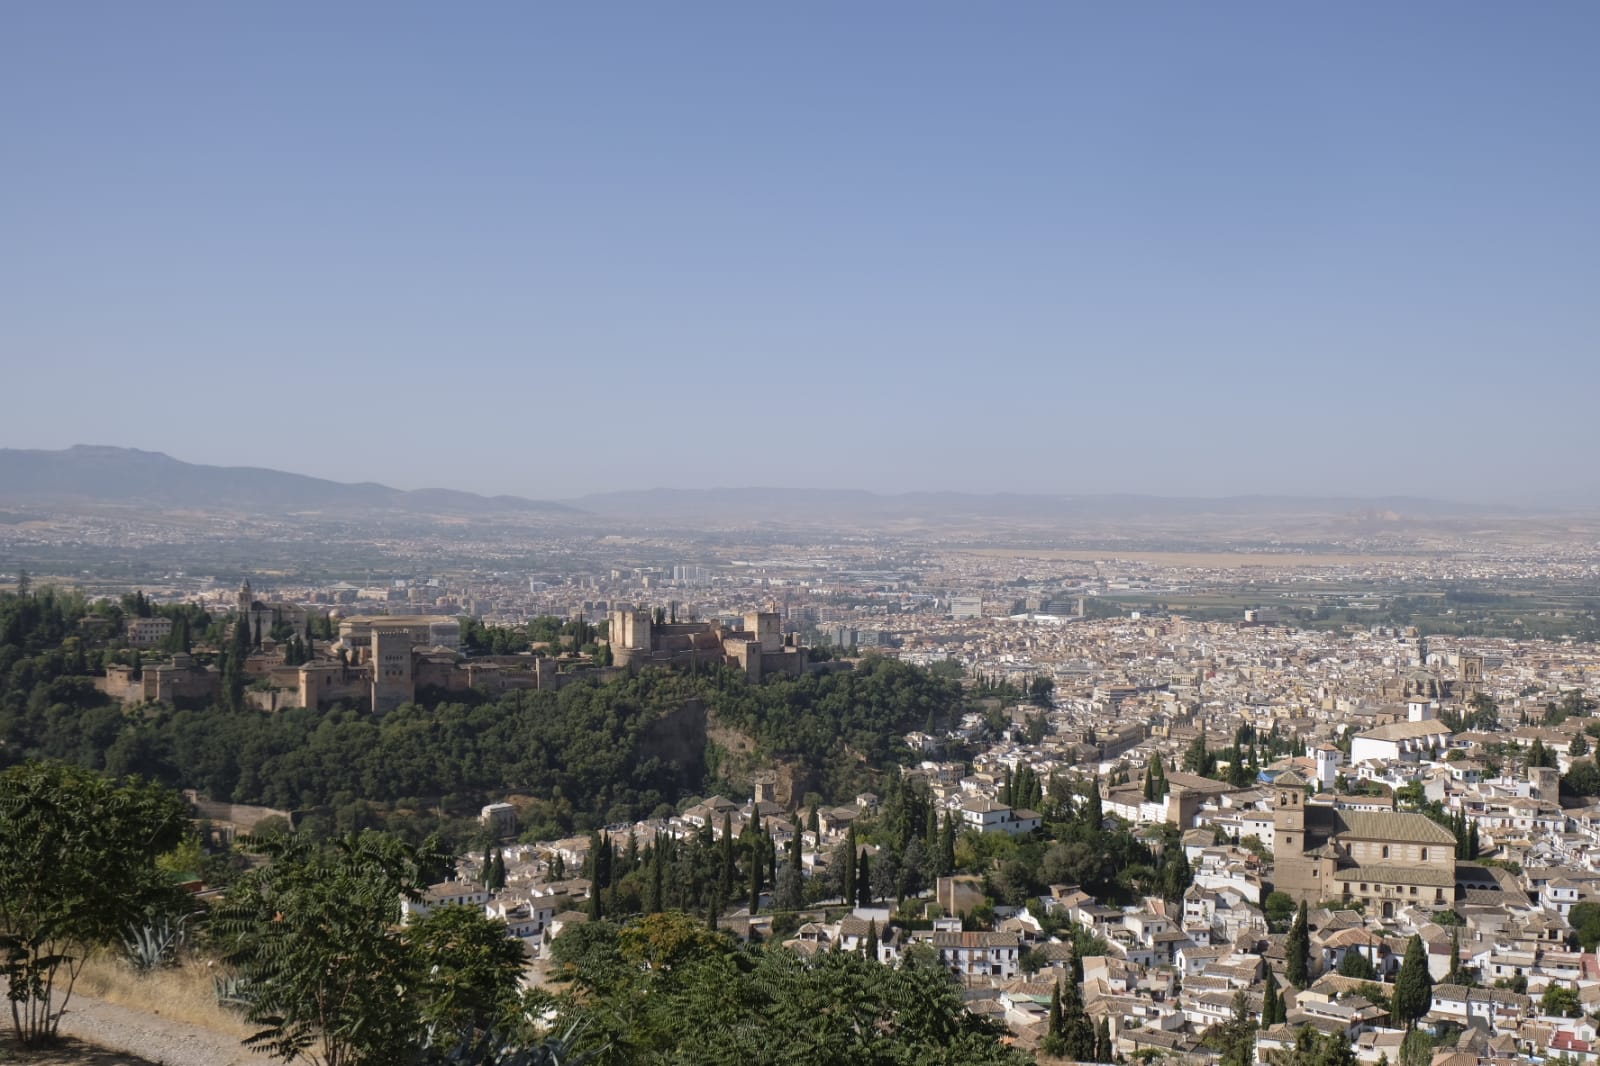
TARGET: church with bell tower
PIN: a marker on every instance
(1383, 860)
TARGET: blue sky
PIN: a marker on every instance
(558, 248)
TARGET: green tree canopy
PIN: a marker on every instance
(77, 869)
(316, 935)
(666, 990)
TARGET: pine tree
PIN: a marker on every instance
(1413, 986)
(1298, 968)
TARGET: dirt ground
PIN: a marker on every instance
(68, 1053)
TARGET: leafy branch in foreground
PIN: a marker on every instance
(77, 869)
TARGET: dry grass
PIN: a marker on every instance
(183, 993)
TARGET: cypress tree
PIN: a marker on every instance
(1413, 986)
(1271, 1002)
(847, 879)
(1077, 1031)
(1052, 1032)
(863, 883)
(870, 947)
(498, 876)
(233, 665)
(1455, 975)
(652, 899)
(1298, 968)
(1102, 1042)
(756, 868)
(727, 854)
(1093, 809)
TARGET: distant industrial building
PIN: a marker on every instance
(966, 607)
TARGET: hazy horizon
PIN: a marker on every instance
(548, 251)
(1554, 504)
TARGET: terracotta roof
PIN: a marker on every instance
(1398, 875)
(1405, 731)
(1391, 826)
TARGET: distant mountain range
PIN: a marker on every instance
(91, 474)
(97, 475)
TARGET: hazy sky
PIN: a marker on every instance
(563, 247)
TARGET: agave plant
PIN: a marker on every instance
(233, 992)
(490, 1049)
(154, 944)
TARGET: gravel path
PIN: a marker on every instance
(135, 1038)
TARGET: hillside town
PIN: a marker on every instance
(1389, 789)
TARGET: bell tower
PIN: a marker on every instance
(1293, 869)
(1289, 813)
